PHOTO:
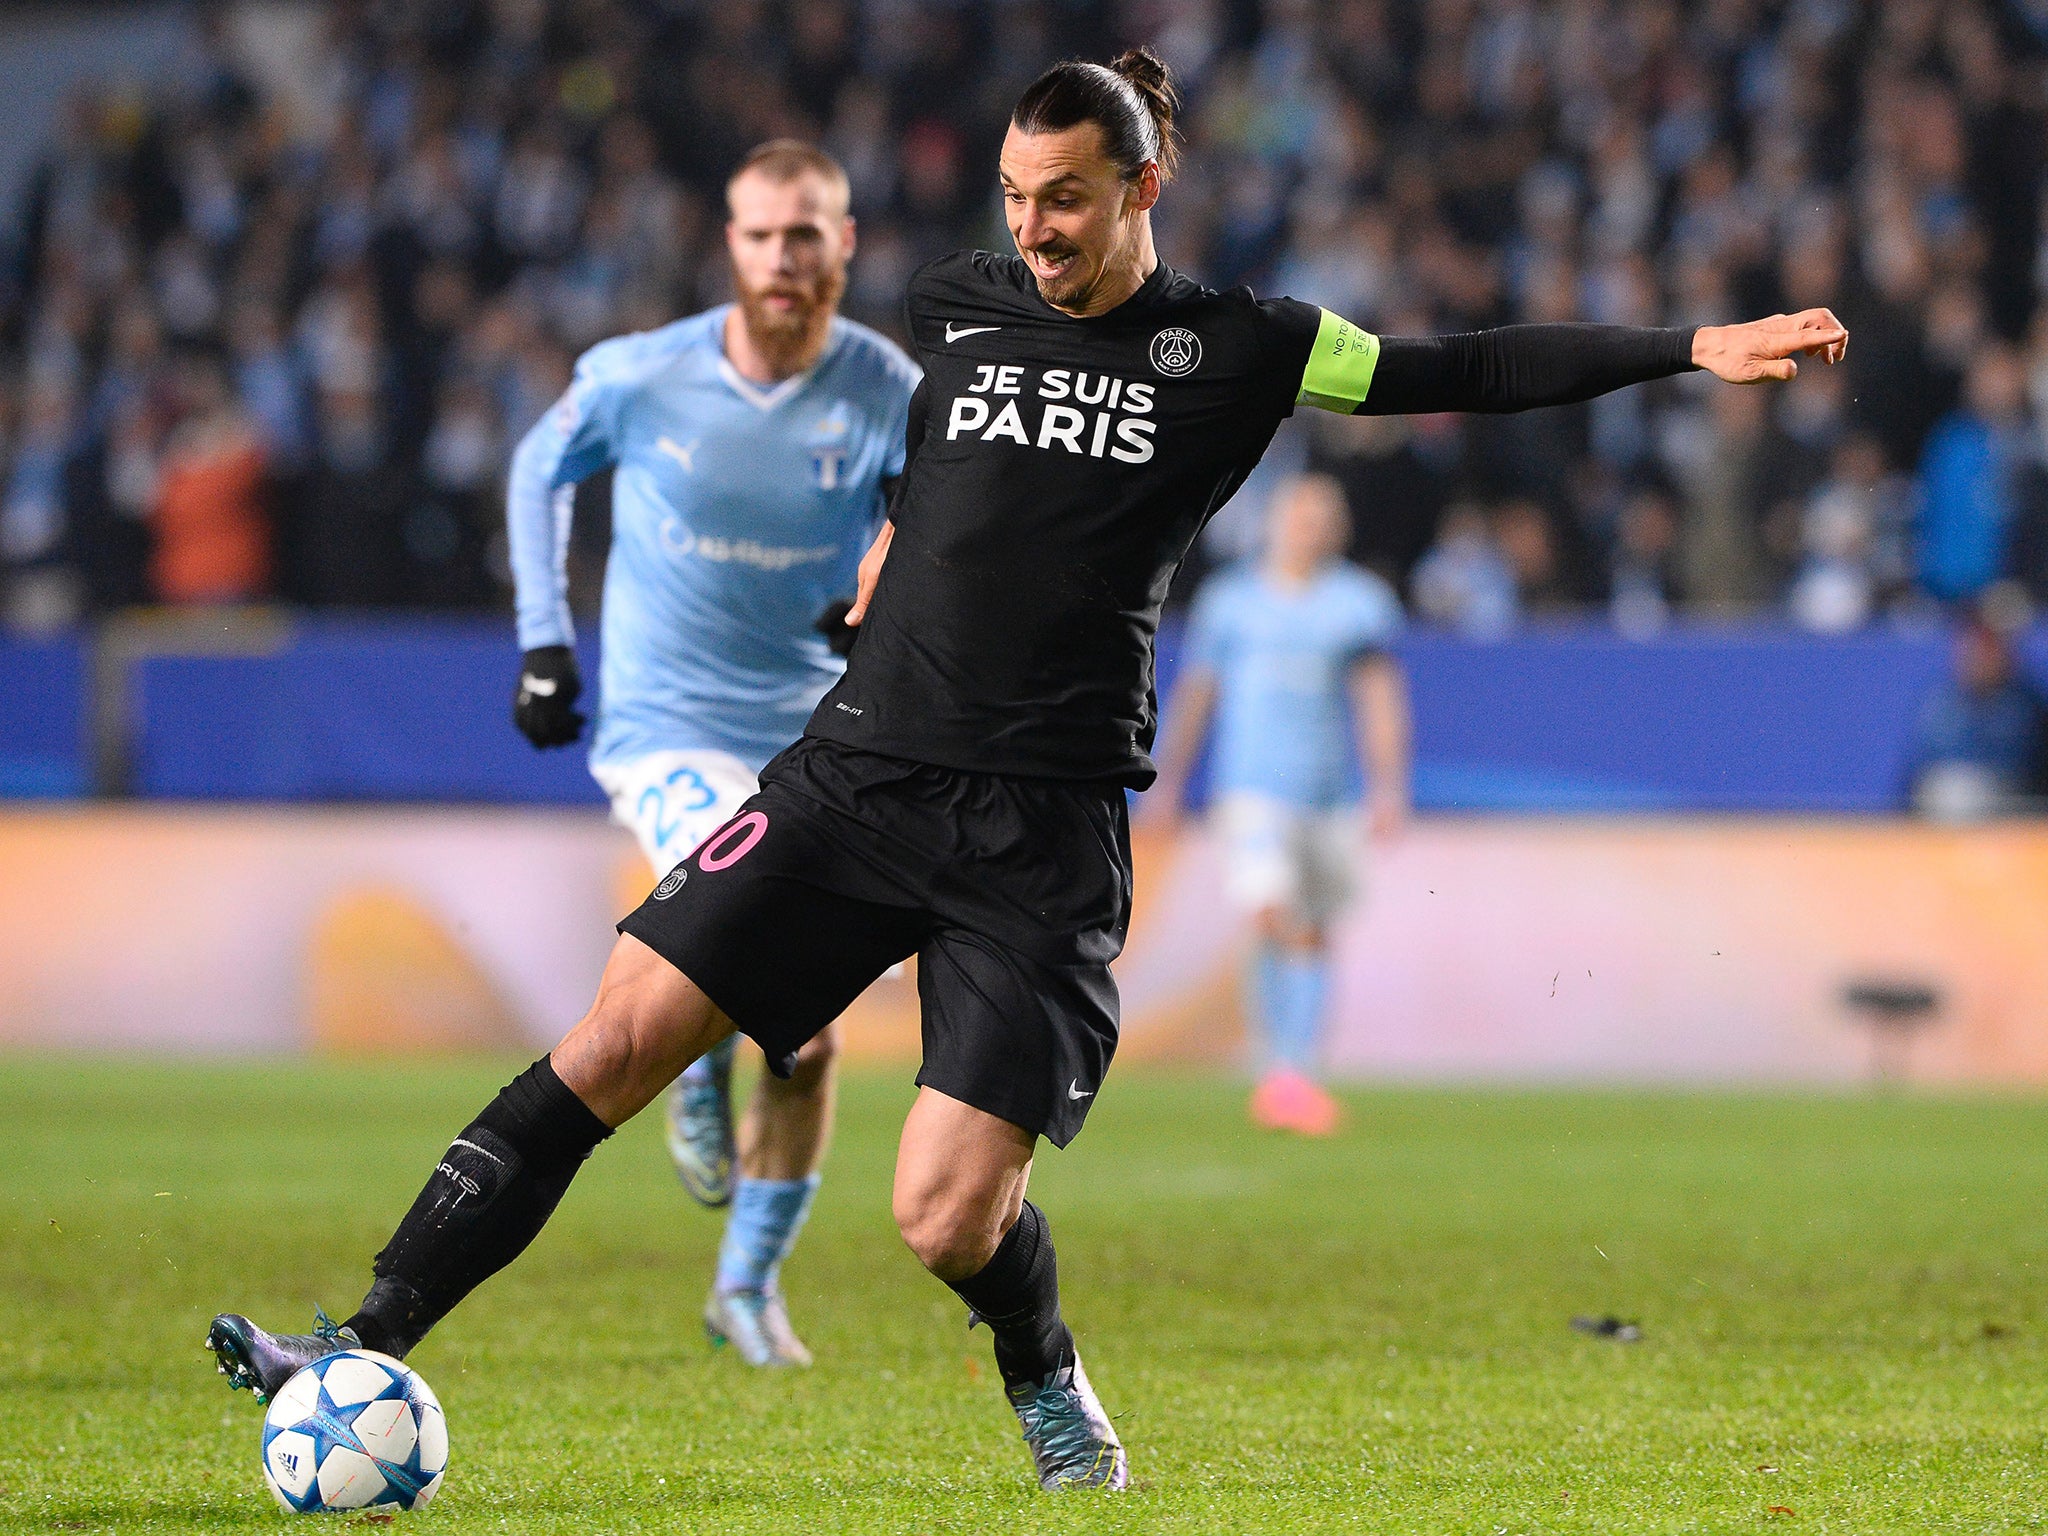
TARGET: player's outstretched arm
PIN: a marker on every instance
(1521, 367)
(1764, 350)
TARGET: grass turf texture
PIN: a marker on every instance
(1840, 1297)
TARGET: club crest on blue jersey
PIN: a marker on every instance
(828, 448)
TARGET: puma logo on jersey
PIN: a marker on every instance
(955, 332)
(681, 455)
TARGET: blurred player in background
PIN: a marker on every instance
(752, 446)
(1289, 655)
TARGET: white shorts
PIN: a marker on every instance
(1281, 855)
(672, 801)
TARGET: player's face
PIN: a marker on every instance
(790, 241)
(1309, 524)
(1074, 218)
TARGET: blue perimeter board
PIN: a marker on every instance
(1693, 721)
(44, 753)
(352, 709)
(1577, 718)
(1573, 718)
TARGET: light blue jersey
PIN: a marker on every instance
(1281, 657)
(738, 513)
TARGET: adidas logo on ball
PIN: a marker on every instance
(354, 1430)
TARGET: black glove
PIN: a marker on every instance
(544, 708)
(832, 624)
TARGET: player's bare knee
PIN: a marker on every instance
(596, 1053)
(814, 1063)
(808, 1077)
(952, 1232)
(1304, 938)
(1286, 928)
(950, 1247)
(635, 1037)
(911, 1221)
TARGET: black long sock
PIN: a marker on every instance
(1017, 1293)
(493, 1191)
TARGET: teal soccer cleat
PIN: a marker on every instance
(1072, 1442)
(700, 1139)
(755, 1323)
(263, 1362)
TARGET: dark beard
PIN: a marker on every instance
(1072, 292)
(1071, 296)
(792, 342)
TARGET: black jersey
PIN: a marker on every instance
(1059, 470)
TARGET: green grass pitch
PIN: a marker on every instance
(1841, 1300)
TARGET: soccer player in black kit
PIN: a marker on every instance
(959, 795)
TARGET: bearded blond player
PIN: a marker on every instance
(752, 447)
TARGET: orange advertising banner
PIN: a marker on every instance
(1699, 950)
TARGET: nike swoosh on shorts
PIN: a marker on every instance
(540, 687)
(1074, 1090)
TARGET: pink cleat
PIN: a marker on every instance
(1287, 1101)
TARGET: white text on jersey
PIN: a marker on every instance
(1058, 424)
(680, 541)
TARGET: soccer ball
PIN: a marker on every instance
(353, 1429)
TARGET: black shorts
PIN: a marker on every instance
(1013, 893)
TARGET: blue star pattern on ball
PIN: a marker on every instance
(351, 1430)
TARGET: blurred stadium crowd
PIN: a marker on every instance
(253, 346)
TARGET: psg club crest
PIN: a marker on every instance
(1175, 351)
(671, 883)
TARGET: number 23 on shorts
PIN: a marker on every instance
(684, 792)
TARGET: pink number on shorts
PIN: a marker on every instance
(714, 855)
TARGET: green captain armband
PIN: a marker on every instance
(1340, 366)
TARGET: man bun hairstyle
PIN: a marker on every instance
(1131, 99)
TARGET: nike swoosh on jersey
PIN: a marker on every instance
(539, 687)
(954, 333)
(1074, 1090)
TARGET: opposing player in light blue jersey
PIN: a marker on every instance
(1289, 655)
(753, 447)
